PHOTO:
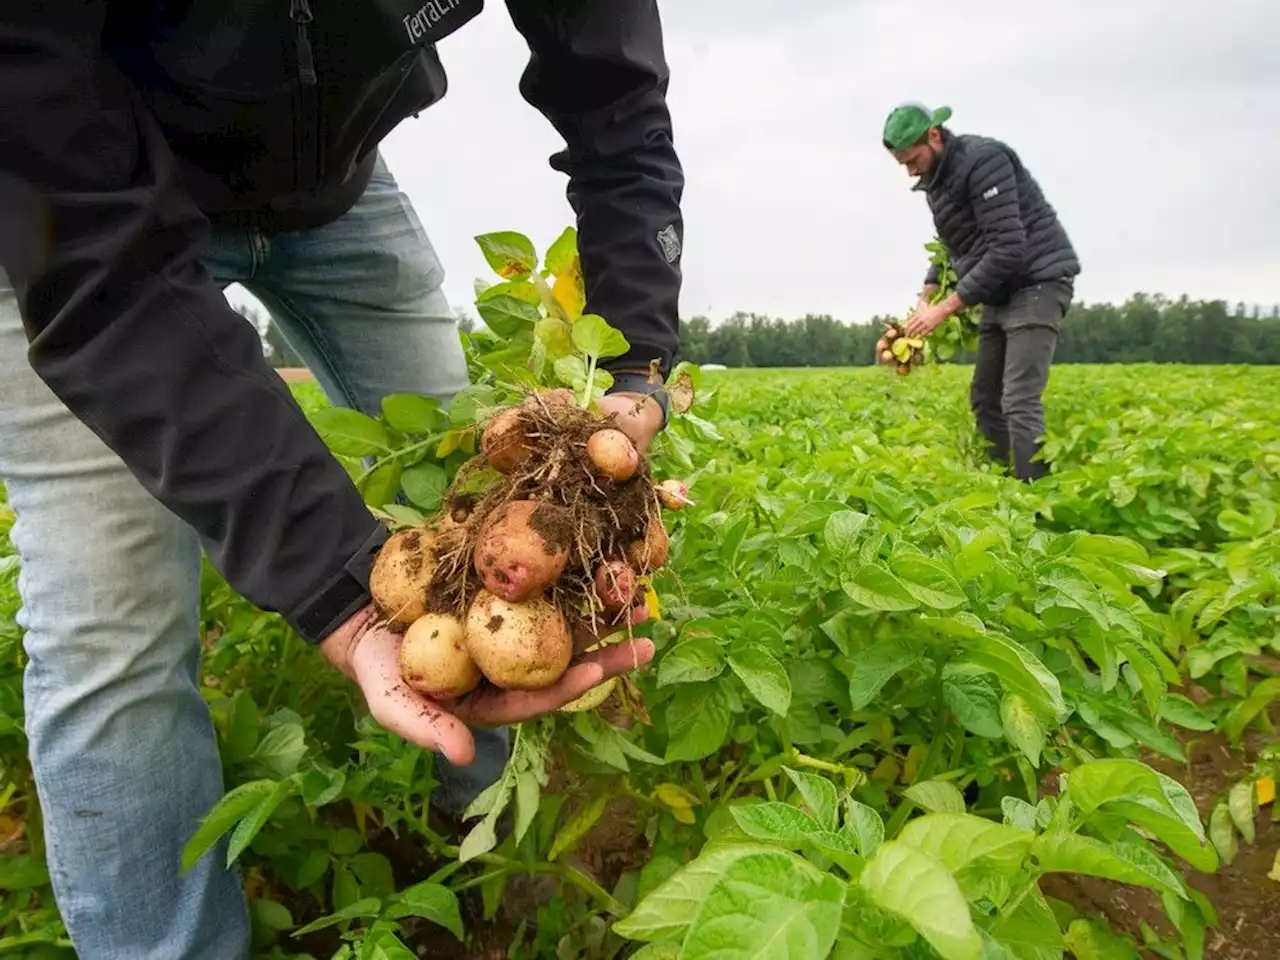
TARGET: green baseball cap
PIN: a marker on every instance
(909, 122)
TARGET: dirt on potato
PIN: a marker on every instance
(599, 520)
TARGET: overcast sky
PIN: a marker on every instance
(1151, 125)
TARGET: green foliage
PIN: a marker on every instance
(893, 689)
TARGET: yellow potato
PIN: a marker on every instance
(434, 660)
(651, 552)
(401, 575)
(518, 646)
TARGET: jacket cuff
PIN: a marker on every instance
(342, 597)
(628, 381)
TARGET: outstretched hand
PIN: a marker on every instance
(368, 653)
(927, 319)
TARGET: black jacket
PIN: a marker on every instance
(991, 216)
(127, 125)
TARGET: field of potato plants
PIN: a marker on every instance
(903, 707)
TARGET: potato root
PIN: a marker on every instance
(503, 442)
(650, 553)
(545, 535)
(673, 494)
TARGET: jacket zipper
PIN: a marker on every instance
(308, 135)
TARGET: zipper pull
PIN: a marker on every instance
(300, 13)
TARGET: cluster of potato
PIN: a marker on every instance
(895, 347)
(517, 573)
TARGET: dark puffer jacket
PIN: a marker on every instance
(990, 214)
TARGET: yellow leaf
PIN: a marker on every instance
(674, 796)
(882, 732)
(1275, 868)
(9, 827)
(679, 800)
(1266, 788)
(364, 814)
(464, 440)
(912, 763)
(887, 769)
(592, 698)
(570, 292)
(901, 349)
(651, 603)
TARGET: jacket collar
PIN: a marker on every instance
(949, 148)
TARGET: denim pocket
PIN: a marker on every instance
(1037, 305)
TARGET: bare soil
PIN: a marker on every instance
(1245, 898)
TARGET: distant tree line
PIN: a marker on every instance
(1143, 329)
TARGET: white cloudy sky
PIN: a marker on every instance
(1151, 125)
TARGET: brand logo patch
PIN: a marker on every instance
(990, 193)
(435, 19)
(669, 242)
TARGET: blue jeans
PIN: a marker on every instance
(122, 745)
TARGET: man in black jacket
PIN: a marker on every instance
(150, 154)
(1010, 253)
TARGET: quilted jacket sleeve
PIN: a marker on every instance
(993, 194)
(103, 248)
(598, 72)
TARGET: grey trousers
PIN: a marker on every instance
(1016, 342)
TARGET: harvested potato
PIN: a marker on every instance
(518, 646)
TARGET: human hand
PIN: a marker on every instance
(638, 416)
(926, 319)
(368, 653)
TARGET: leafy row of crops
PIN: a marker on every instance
(894, 689)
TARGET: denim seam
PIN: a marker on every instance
(312, 331)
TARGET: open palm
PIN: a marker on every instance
(373, 662)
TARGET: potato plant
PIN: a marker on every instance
(821, 871)
(896, 694)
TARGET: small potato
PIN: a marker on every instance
(673, 494)
(651, 552)
(902, 369)
(559, 397)
(882, 345)
(891, 334)
(518, 646)
(401, 575)
(523, 548)
(456, 516)
(504, 443)
(434, 660)
(615, 584)
(613, 454)
(886, 356)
